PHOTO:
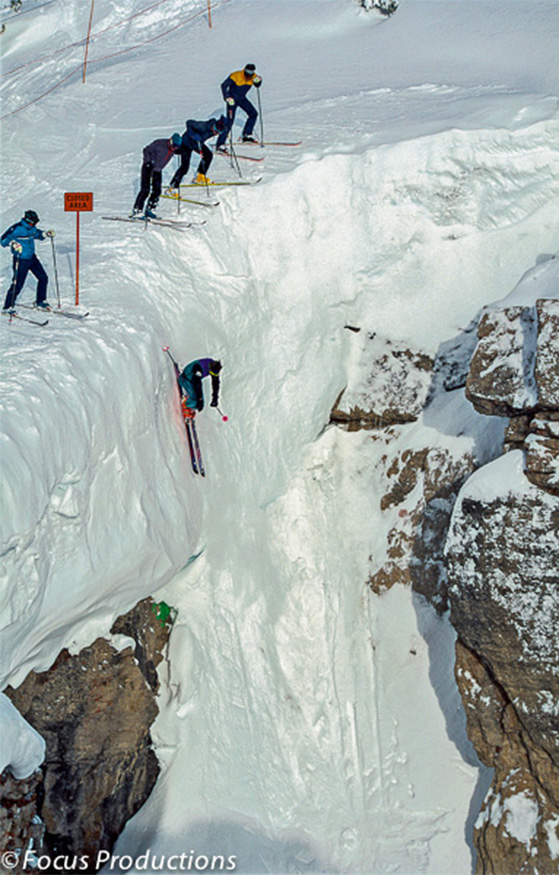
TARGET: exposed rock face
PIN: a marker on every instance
(504, 591)
(542, 451)
(20, 828)
(515, 373)
(503, 570)
(94, 711)
(547, 361)
(422, 484)
(501, 379)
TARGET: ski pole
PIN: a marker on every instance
(261, 118)
(224, 418)
(205, 173)
(12, 294)
(234, 159)
(55, 271)
(168, 351)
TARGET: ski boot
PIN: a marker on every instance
(187, 411)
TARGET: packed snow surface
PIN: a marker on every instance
(305, 724)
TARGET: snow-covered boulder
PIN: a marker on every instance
(501, 379)
(389, 383)
(514, 372)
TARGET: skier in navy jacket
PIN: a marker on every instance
(21, 239)
(234, 90)
(194, 140)
(156, 156)
(190, 382)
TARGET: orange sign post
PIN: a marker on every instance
(78, 202)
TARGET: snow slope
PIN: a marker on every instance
(306, 725)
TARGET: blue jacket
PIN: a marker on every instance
(190, 382)
(25, 234)
(159, 153)
(197, 133)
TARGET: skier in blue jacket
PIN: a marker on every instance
(194, 140)
(156, 156)
(21, 239)
(190, 382)
(234, 90)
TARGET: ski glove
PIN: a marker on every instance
(230, 101)
(257, 81)
(16, 247)
(50, 234)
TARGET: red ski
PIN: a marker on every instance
(271, 143)
(190, 428)
(228, 154)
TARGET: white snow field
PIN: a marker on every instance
(306, 724)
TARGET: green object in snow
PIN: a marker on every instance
(163, 612)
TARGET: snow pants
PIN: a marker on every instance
(252, 114)
(150, 185)
(203, 167)
(190, 382)
(23, 266)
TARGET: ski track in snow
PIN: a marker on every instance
(305, 725)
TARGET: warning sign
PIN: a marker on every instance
(78, 201)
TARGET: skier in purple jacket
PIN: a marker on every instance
(190, 382)
(156, 156)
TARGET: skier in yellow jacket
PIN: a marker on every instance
(234, 90)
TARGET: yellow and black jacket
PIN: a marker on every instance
(237, 85)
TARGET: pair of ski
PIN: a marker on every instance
(68, 314)
(227, 153)
(189, 424)
(42, 322)
(177, 225)
(172, 194)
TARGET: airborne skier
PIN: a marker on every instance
(190, 382)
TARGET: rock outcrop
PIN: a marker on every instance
(21, 829)
(486, 542)
(420, 482)
(94, 711)
(392, 388)
(503, 572)
(421, 485)
(515, 373)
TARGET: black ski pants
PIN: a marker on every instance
(206, 157)
(23, 266)
(252, 114)
(150, 185)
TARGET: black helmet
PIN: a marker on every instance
(250, 69)
(31, 217)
